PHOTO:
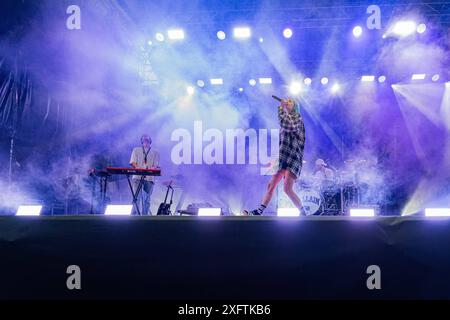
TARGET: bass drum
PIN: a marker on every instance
(312, 201)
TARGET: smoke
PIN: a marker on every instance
(400, 58)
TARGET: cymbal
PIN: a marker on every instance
(354, 161)
(177, 177)
(173, 183)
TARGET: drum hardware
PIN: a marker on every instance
(332, 203)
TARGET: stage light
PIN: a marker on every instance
(404, 28)
(437, 212)
(421, 28)
(209, 212)
(295, 88)
(221, 35)
(367, 78)
(190, 90)
(357, 31)
(261, 40)
(307, 81)
(216, 82)
(324, 80)
(435, 77)
(252, 82)
(381, 79)
(242, 33)
(288, 212)
(150, 43)
(265, 80)
(118, 210)
(418, 76)
(29, 211)
(241, 89)
(159, 37)
(335, 88)
(176, 34)
(201, 83)
(362, 212)
(287, 33)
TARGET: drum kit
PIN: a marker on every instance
(329, 197)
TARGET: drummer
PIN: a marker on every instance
(323, 174)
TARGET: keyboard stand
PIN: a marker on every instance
(138, 191)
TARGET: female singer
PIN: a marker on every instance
(292, 143)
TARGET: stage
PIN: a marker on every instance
(238, 258)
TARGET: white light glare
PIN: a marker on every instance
(209, 212)
(404, 28)
(324, 80)
(221, 35)
(190, 90)
(176, 34)
(335, 88)
(437, 212)
(118, 210)
(287, 33)
(242, 33)
(288, 212)
(367, 78)
(362, 212)
(265, 80)
(307, 81)
(357, 31)
(29, 211)
(295, 88)
(216, 82)
(418, 76)
(421, 28)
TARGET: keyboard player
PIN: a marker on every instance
(144, 157)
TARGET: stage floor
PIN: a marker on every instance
(225, 257)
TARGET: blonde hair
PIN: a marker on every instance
(296, 105)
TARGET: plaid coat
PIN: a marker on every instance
(292, 141)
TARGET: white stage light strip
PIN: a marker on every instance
(418, 76)
(437, 212)
(216, 81)
(29, 211)
(265, 80)
(242, 33)
(176, 34)
(118, 210)
(288, 212)
(209, 212)
(367, 78)
(362, 212)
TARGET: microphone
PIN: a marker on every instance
(276, 98)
